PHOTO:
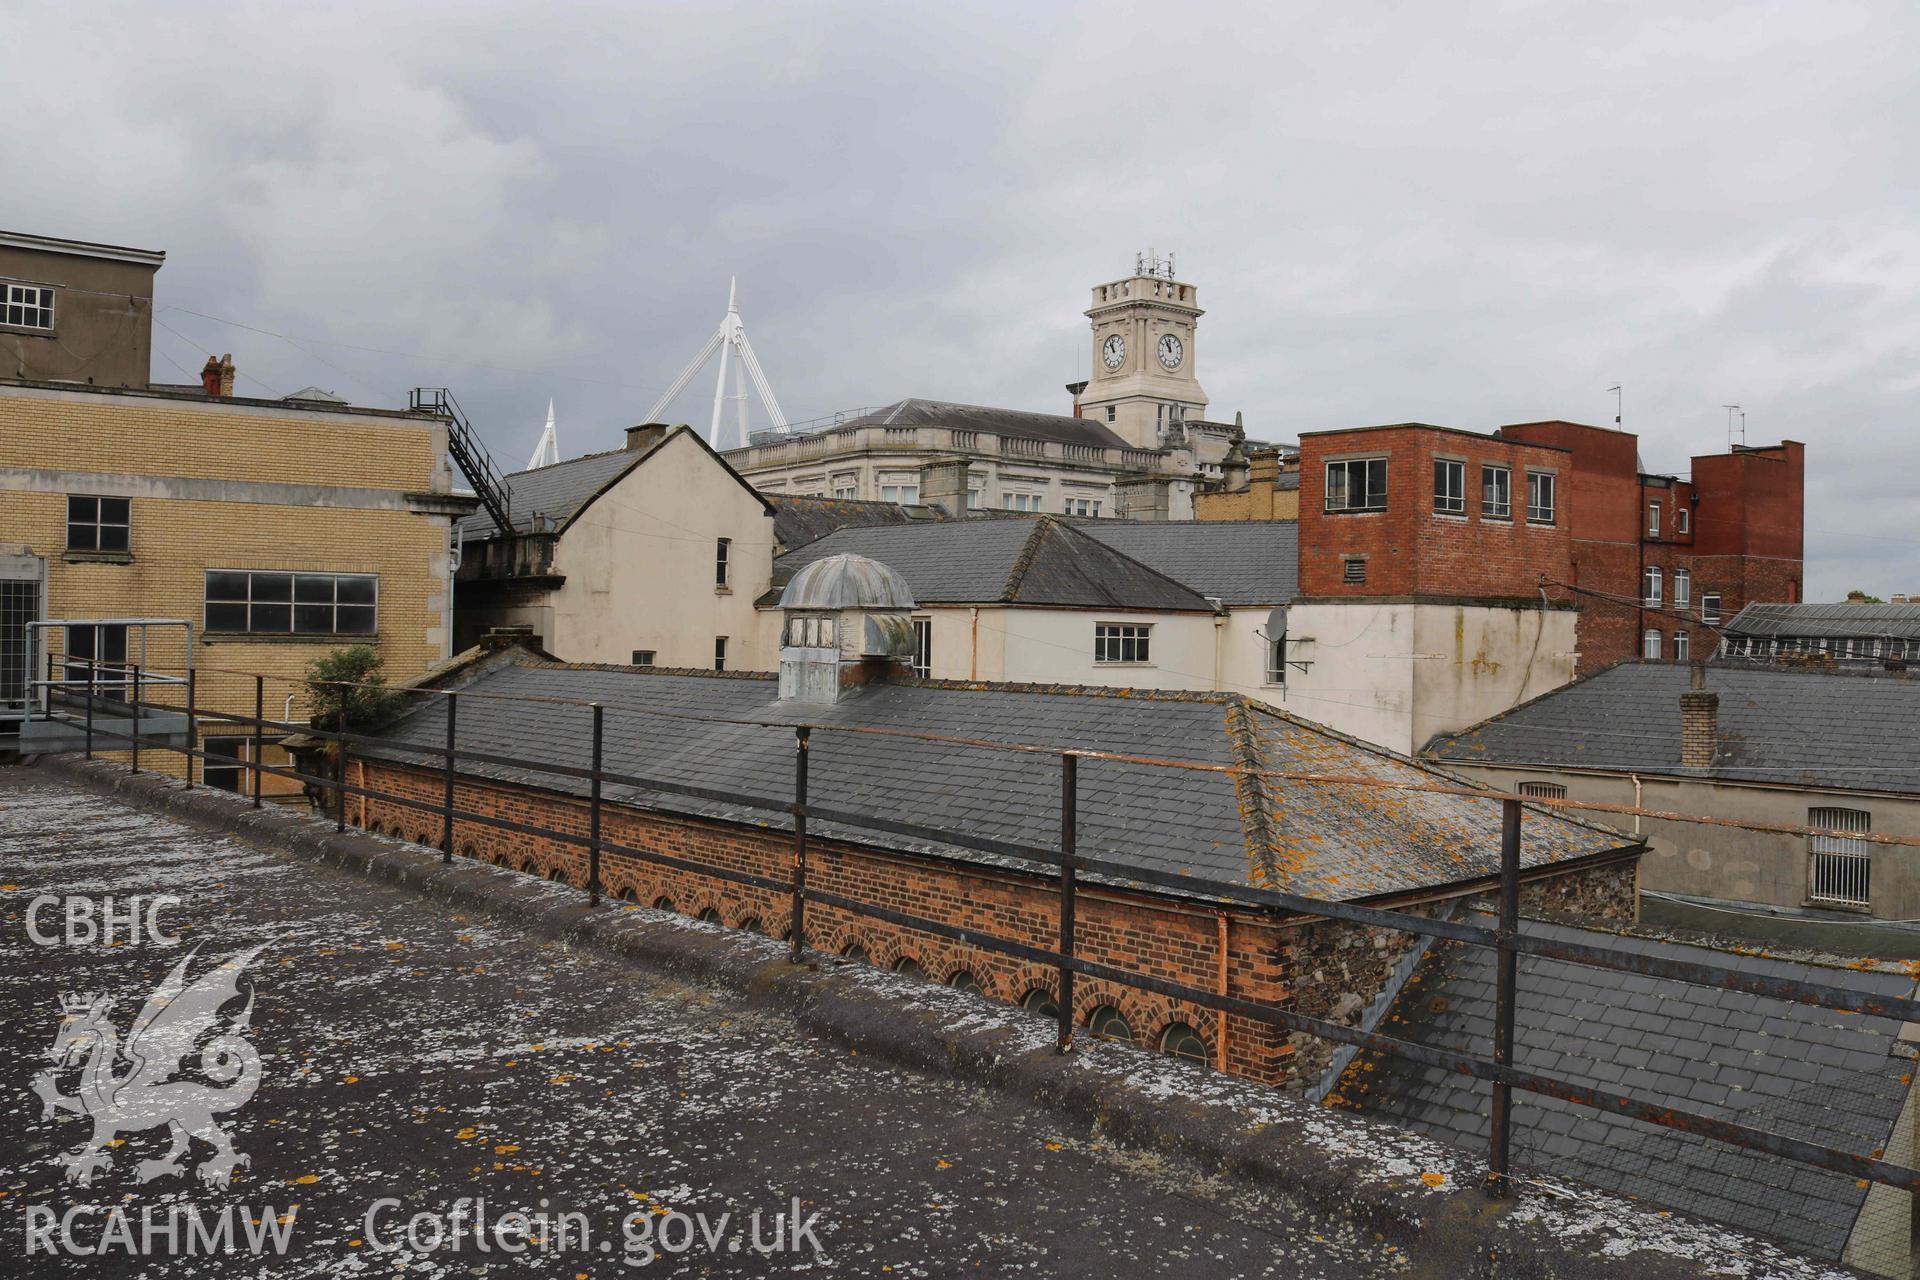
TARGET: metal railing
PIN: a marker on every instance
(1067, 865)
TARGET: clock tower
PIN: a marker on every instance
(1143, 383)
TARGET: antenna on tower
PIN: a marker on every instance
(547, 452)
(1734, 410)
(1615, 388)
(730, 340)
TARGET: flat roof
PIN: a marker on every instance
(1484, 436)
(81, 248)
(161, 392)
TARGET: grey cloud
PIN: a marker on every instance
(1465, 214)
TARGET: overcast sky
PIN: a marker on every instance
(1467, 214)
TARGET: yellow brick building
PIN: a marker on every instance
(277, 530)
(1272, 492)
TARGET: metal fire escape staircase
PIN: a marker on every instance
(468, 454)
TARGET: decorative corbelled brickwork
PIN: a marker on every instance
(1250, 955)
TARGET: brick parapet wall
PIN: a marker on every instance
(1265, 958)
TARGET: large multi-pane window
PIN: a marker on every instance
(98, 524)
(271, 602)
(1449, 486)
(1682, 645)
(1710, 606)
(1496, 493)
(1357, 484)
(28, 306)
(1682, 588)
(1540, 486)
(1840, 867)
(722, 561)
(1650, 584)
(1650, 643)
(1022, 501)
(1120, 642)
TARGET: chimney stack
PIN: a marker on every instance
(645, 436)
(217, 376)
(943, 484)
(1699, 722)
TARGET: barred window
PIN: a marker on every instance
(29, 306)
(1841, 868)
(1117, 642)
(272, 602)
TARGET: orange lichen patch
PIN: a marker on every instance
(1434, 1179)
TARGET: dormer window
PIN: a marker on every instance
(812, 631)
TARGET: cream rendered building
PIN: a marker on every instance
(1137, 444)
(652, 555)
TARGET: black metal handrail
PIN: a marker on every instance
(1505, 938)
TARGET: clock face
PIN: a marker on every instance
(1170, 351)
(1114, 351)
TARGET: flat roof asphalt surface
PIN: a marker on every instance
(409, 1053)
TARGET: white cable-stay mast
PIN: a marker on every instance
(547, 452)
(730, 340)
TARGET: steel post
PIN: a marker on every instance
(1506, 983)
(799, 910)
(593, 809)
(259, 731)
(1069, 815)
(446, 818)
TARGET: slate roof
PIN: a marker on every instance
(1828, 621)
(802, 518)
(563, 490)
(1031, 561)
(1782, 1067)
(1242, 562)
(1815, 728)
(1060, 428)
(1345, 842)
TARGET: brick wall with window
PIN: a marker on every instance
(327, 531)
(1431, 512)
